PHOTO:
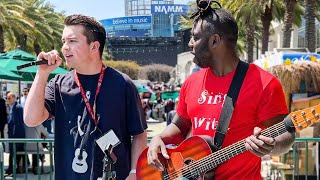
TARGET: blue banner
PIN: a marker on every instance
(127, 20)
(169, 9)
(293, 57)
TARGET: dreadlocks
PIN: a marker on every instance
(216, 21)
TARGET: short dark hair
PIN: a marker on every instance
(221, 22)
(93, 30)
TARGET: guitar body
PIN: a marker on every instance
(80, 165)
(191, 149)
(197, 151)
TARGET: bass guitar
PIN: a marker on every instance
(193, 158)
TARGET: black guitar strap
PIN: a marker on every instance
(229, 104)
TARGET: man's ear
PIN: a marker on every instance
(95, 45)
(214, 41)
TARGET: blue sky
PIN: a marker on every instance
(100, 9)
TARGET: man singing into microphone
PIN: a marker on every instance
(87, 102)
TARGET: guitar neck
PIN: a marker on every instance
(213, 160)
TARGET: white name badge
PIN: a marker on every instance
(110, 138)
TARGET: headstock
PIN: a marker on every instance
(306, 117)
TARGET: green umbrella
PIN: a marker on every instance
(141, 88)
(28, 73)
(18, 54)
(8, 75)
(169, 95)
(11, 59)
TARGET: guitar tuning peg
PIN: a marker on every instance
(308, 121)
(316, 115)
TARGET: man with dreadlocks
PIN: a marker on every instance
(260, 102)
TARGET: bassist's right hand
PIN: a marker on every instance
(156, 146)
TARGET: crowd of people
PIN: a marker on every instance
(12, 126)
(159, 109)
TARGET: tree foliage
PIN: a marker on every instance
(130, 68)
(156, 72)
(31, 24)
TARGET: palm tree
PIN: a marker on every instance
(288, 21)
(11, 21)
(271, 10)
(247, 13)
(266, 18)
(310, 17)
(55, 21)
(1, 39)
(48, 25)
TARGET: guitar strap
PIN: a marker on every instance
(229, 104)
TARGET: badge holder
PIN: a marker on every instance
(106, 143)
(108, 160)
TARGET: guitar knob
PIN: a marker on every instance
(308, 121)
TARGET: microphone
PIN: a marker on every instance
(34, 63)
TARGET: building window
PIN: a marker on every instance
(301, 39)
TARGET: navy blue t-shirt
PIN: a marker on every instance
(119, 108)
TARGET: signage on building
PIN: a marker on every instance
(127, 20)
(169, 9)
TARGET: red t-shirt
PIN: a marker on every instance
(261, 98)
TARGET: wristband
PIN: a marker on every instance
(133, 171)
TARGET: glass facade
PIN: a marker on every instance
(161, 23)
(137, 7)
(301, 35)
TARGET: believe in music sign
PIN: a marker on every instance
(127, 20)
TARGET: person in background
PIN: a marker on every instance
(3, 116)
(16, 129)
(25, 92)
(172, 113)
(38, 132)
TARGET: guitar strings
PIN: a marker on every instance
(208, 159)
(236, 145)
(239, 144)
(272, 128)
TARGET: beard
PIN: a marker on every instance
(201, 61)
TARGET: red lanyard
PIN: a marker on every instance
(91, 110)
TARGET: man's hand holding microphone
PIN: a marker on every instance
(54, 61)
